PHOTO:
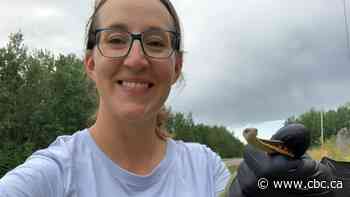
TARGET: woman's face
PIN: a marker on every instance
(134, 87)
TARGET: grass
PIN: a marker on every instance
(330, 150)
(232, 168)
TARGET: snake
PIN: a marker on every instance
(269, 146)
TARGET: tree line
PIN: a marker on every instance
(218, 138)
(333, 121)
(43, 95)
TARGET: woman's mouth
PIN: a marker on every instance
(135, 87)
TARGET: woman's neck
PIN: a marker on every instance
(134, 147)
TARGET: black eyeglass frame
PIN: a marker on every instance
(138, 36)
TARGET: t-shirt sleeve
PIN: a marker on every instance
(38, 176)
(221, 173)
(222, 176)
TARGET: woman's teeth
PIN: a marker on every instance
(135, 84)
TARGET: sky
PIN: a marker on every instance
(248, 63)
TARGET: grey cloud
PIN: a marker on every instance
(55, 25)
(266, 60)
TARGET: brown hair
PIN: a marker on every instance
(92, 24)
(90, 42)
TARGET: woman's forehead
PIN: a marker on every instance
(136, 15)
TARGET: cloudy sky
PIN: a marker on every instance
(247, 63)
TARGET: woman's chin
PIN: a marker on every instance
(139, 113)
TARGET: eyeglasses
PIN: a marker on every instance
(115, 43)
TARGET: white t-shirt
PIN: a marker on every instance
(74, 166)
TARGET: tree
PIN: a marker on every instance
(41, 96)
(333, 121)
(218, 138)
(12, 67)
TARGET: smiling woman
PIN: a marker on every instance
(133, 57)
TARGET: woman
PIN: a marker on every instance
(134, 57)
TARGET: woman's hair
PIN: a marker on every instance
(92, 24)
(90, 42)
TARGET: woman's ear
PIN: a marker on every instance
(178, 67)
(89, 65)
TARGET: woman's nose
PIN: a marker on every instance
(136, 57)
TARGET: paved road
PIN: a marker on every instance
(233, 161)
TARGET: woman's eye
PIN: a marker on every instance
(155, 43)
(117, 41)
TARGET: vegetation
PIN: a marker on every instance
(333, 121)
(218, 138)
(330, 150)
(233, 169)
(43, 96)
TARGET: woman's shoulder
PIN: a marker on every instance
(201, 161)
(195, 146)
(49, 167)
(63, 146)
(65, 143)
(196, 151)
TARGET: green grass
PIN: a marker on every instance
(232, 168)
(330, 150)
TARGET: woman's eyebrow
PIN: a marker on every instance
(118, 26)
(124, 27)
(155, 28)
